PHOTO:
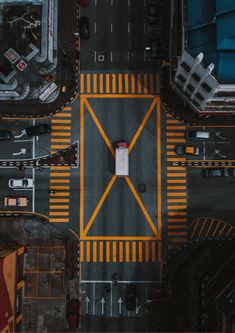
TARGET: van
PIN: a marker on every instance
(16, 202)
(191, 134)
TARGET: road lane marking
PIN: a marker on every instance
(120, 83)
(59, 207)
(120, 251)
(126, 78)
(140, 252)
(95, 83)
(52, 200)
(101, 83)
(107, 252)
(114, 83)
(65, 181)
(153, 251)
(132, 83)
(99, 205)
(101, 251)
(58, 174)
(58, 220)
(63, 114)
(61, 121)
(60, 167)
(133, 251)
(88, 81)
(58, 213)
(114, 252)
(88, 251)
(94, 251)
(127, 252)
(107, 83)
(61, 140)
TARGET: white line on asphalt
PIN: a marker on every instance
(22, 189)
(95, 56)
(111, 301)
(144, 28)
(22, 140)
(123, 281)
(95, 2)
(128, 56)
(111, 2)
(129, 3)
(144, 3)
(95, 27)
(111, 27)
(111, 55)
(93, 301)
(129, 27)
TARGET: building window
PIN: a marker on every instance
(196, 77)
(185, 67)
(190, 88)
(199, 96)
(206, 87)
(181, 78)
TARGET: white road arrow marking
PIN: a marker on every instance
(102, 305)
(87, 304)
(217, 152)
(137, 306)
(22, 151)
(23, 132)
(120, 305)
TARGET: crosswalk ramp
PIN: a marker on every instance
(176, 185)
(61, 124)
(59, 196)
(119, 251)
(119, 83)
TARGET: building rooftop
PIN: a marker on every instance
(211, 30)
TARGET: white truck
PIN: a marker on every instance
(121, 159)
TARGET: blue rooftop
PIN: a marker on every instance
(212, 31)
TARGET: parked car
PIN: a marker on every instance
(217, 172)
(83, 2)
(84, 28)
(73, 314)
(38, 130)
(186, 150)
(131, 296)
(5, 135)
(191, 134)
(22, 183)
(16, 201)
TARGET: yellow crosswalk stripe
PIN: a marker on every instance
(132, 83)
(140, 252)
(95, 83)
(68, 128)
(59, 207)
(107, 83)
(107, 252)
(63, 115)
(58, 213)
(61, 121)
(58, 220)
(120, 83)
(63, 140)
(66, 181)
(114, 86)
(101, 251)
(101, 83)
(114, 251)
(60, 174)
(52, 200)
(126, 77)
(133, 251)
(82, 90)
(60, 133)
(88, 82)
(121, 252)
(88, 251)
(94, 251)
(59, 146)
(127, 252)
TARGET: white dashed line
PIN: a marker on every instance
(111, 27)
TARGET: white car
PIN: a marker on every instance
(21, 183)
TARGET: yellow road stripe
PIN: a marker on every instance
(120, 251)
(114, 85)
(171, 153)
(176, 213)
(95, 83)
(145, 83)
(82, 83)
(176, 181)
(139, 87)
(61, 121)
(120, 83)
(58, 213)
(176, 168)
(60, 174)
(61, 140)
(100, 128)
(114, 251)
(66, 181)
(151, 79)
(133, 251)
(58, 220)
(127, 251)
(61, 128)
(169, 128)
(126, 76)
(101, 251)
(88, 82)
(176, 187)
(67, 108)
(172, 121)
(153, 251)
(177, 194)
(147, 251)
(179, 174)
(174, 134)
(59, 207)
(60, 167)
(173, 226)
(88, 251)
(100, 203)
(140, 252)
(101, 83)
(177, 207)
(107, 251)
(175, 220)
(176, 200)
(60, 133)
(59, 200)
(81, 251)
(142, 207)
(170, 146)
(176, 159)
(176, 140)
(60, 194)
(107, 83)
(143, 123)
(94, 251)
(63, 115)
(59, 146)
(133, 83)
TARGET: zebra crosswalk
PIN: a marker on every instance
(61, 130)
(59, 201)
(119, 251)
(176, 185)
(119, 83)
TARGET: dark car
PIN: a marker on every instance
(84, 28)
(5, 135)
(220, 172)
(38, 130)
(83, 2)
(131, 296)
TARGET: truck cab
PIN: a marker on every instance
(122, 159)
